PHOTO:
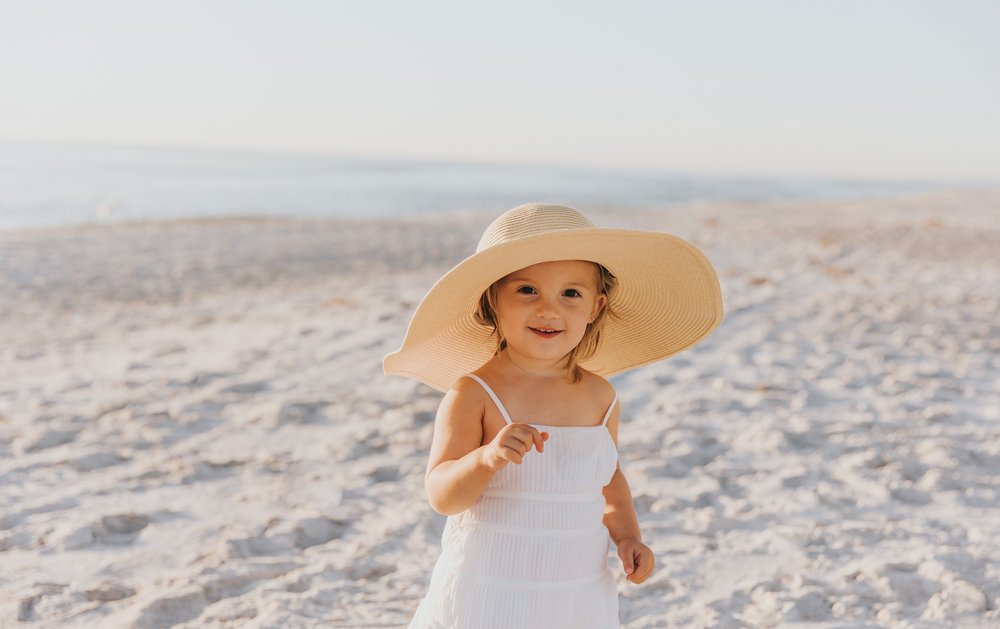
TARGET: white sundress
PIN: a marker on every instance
(532, 551)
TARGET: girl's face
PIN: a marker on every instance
(560, 296)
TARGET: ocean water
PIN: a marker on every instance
(49, 184)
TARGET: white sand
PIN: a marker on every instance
(195, 430)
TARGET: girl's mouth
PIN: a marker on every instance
(546, 334)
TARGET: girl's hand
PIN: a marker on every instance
(511, 444)
(637, 560)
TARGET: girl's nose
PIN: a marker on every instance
(546, 308)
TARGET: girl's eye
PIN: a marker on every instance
(573, 290)
(524, 287)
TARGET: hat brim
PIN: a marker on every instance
(668, 299)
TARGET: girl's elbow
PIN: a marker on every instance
(436, 503)
(436, 506)
(444, 509)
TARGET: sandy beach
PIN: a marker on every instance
(195, 430)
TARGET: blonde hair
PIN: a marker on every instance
(607, 283)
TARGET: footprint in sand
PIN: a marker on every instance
(369, 571)
(374, 442)
(187, 473)
(385, 474)
(229, 581)
(45, 439)
(288, 537)
(246, 388)
(318, 530)
(257, 546)
(121, 528)
(20, 539)
(171, 610)
(108, 591)
(199, 379)
(812, 606)
(96, 460)
(301, 413)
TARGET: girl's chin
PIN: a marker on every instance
(543, 347)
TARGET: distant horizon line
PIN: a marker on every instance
(456, 161)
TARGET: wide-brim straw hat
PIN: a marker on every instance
(668, 296)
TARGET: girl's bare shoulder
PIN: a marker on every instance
(458, 427)
(598, 385)
(467, 392)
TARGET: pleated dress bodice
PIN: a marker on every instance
(532, 551)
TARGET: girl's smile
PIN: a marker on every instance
(545, 332)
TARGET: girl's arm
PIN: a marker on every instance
(622, 523)
(456, 471)
(619, 512)
(453, 486)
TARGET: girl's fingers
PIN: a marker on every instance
(515, 445)
(518, 442)
(532, 438)
(524, 441)
(529, 436)
(642, 566)
(628, 564)
(539, 439)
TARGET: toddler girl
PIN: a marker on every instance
(520, 337)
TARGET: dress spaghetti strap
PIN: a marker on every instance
(492, 395)
(506, 416)
(610, 408)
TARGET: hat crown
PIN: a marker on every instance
(531, 219)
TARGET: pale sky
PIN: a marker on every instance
(846, 88)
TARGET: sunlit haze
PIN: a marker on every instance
(896, 89)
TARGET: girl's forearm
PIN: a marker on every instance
(620, 517)
(453, 486)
